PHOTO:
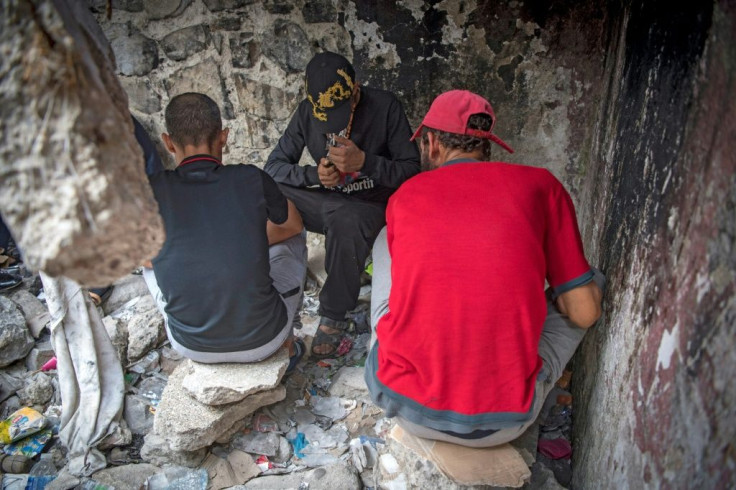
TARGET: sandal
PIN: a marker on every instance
(100, 295)
(299, 349)
(323, 338)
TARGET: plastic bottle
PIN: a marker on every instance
(42, 473)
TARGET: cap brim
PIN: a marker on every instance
(501, 143)
(337, 119)
(417, 133)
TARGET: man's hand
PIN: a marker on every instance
(329, 176)
(347, 157)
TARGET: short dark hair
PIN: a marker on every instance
(464, 142)
(193, 119)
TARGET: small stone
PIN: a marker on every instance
(219, 384)
(319, 11)
(126, 476)
(181, 44)
(144, 324)
(36, 314)
(158, 451)
(37, 390)
(135, 54)
(288, 46)
(161, 9)
(39, 355)
(220, 473)
(218, 5)
(244, 50)
(284, 453)
(243, 466)
(266, 443)
(9, 385)
(15, 339)
(170, 359)
(132, 285)
(349, 383)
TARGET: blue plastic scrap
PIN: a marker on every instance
(299, 443)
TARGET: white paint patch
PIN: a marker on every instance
(667, 347)
(702, 285)
(367, 36)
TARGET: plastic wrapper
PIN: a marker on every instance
(31, 445)
(20, 424)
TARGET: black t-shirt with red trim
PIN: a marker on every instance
(213, 269)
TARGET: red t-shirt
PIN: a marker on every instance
(471, 246)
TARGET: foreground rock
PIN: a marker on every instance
(187, 424)
(15, 340)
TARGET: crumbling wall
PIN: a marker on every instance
(654, 387)
(67, 145)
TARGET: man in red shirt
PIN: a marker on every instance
(467, 343)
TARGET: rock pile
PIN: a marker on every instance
(229, 425)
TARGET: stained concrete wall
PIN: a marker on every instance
(655, 382)
(629, 103)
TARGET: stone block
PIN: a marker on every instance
(263, 100)
(220, 384)
(141, 96)
(9, 385)
(39, 355)
(169, 360)
(145, 331)
(126, 476)
(287, 45)
(315, 11)
(189, 425)
(161, 9)
(36, 314)
(339, 475)
(219, 5)
(135, 54)
(244, 50)
(181, 44)
(15, 339)
(157, 450)
(204, 78)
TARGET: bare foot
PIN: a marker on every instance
(322, 349)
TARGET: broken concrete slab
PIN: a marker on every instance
(123, 290)
(220, 384)
(188, 425)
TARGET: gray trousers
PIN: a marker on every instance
(560, 338)
(288, 260)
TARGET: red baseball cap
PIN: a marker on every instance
(450, 112)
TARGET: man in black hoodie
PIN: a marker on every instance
(359, 139)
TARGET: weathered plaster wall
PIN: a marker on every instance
(655, 389)
(530, 59)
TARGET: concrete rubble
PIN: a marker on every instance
(244, 426)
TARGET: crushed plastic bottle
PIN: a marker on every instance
(42, 473)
